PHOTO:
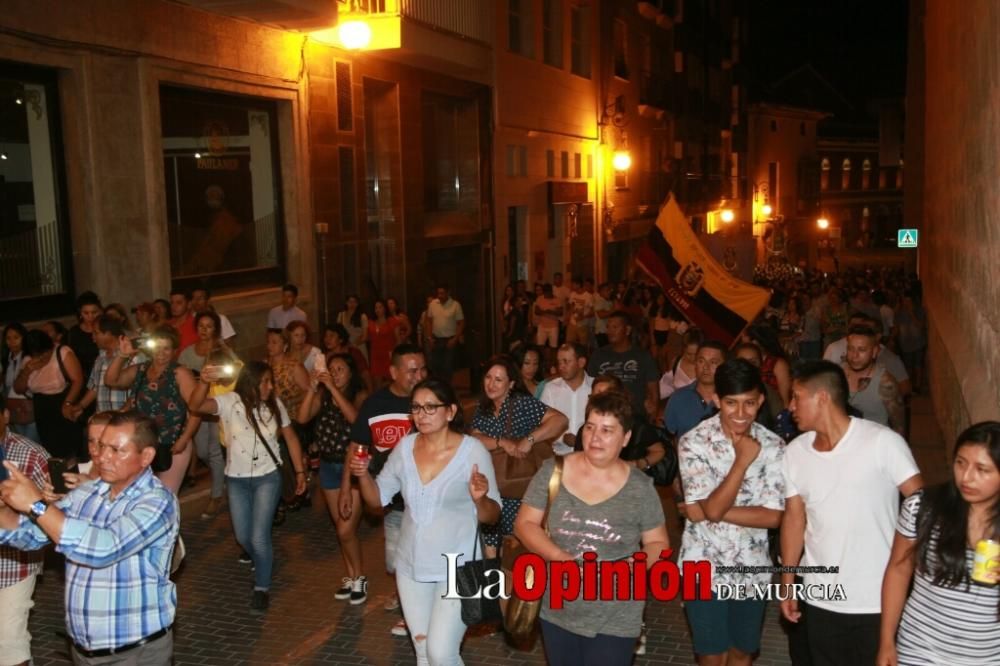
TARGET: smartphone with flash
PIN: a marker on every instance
(57, 466)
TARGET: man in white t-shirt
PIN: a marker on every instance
(444, 326)
(282, 315)
(580, 320)
(836, 352)
(843, 478)
(568, 393)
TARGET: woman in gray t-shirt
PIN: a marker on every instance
(604, 505)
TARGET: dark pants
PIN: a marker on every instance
(442, 361)
(840, 639)
(564, 648)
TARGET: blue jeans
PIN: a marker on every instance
(564, 648)
(209, 449)
(252, 503)
(437, 621)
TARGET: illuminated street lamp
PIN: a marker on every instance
(766, 210)
(354, 34)
(726, 215)
(823, 223)
(621, 160)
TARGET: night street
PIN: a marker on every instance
(305, 625)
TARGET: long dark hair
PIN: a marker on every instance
(443, 391)
(358, 311)
(513, 372)
(4, 350)
(521, 353)
(355, 384)
(943, 520)
(248, 388)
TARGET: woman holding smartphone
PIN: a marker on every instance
(252, 417)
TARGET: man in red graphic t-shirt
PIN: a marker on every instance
(382, 421)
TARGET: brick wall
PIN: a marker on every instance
(960, 247)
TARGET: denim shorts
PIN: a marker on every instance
(331, 475)
(717, 625)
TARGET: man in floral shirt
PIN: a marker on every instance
(734, 490)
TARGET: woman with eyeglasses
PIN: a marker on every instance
(447, 481)
(333, 400)
(252, 417)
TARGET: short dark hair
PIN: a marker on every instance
(292, 289)
(576, 348)
(614, 403)
(109, 324)
(405, 349)
(737, 376)
(714, 344)
(208, 294)
(177, 291)
(216, 321)
(862, 329)
(88, 298)
(445, 394)
(751, 347)
(338, 329)
(606, 378)
(827, 376)
(145, 434)
(442, 285)
(37, 342)
(622, 315)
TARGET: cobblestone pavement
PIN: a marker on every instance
(305, 625)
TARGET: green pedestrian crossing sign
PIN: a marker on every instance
(906, 238)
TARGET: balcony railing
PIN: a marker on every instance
(461, 17)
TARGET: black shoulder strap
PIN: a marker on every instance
(62, 368)
(253, 422)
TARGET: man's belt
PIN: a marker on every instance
(107, 652)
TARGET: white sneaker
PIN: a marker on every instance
(392, 603)
(345, 589)
(399, 629)
(640, 646)
(359, 590)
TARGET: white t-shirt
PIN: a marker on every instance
(279, 317)
(247, 455)
(558, 395)
(851, 498)
(836, 352)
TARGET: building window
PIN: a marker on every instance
(550, 163)
(451, 153)
(223, 184)
(348, 205)
(845, 174)
(774, 125)
(619, 49)
(345, 97)
(580, 40)
(590, 166)
(36, 270)
(678, 62)
(564, 159)
(552, 32)
(522, 160)
(511, 160)
(866, 174)
(577, 165)
(520, 36)
(824, 174)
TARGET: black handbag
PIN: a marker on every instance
(664, 472)
(470, 579)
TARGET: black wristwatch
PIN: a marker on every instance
(37, 510)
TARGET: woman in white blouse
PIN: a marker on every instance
(449, 486)
(252, 417)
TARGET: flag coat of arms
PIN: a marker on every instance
(708, 295)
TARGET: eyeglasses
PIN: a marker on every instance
(429, 409)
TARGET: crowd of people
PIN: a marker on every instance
(784, 446)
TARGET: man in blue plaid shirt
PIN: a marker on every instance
(117, 534)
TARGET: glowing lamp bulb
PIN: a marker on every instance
(354, 35)
(766, 210)
(823, 223)
(726, 216)
(621, 160)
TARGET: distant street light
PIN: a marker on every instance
(823, 223)
(621, 160)
(726, 215)
(766, 210)
(354, 34)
